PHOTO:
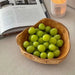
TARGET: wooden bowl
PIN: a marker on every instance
(23, 36)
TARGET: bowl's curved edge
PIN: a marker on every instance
(40, 60)
(37, 59)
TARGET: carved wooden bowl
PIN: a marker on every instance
(23, 36)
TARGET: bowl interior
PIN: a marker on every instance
(62, 30)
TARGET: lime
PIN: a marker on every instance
(41, 48)
(25, 44)
(31, 30)
(41, 26)
(43, 55)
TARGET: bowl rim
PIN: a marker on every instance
(24, 52)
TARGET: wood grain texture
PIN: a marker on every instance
(62, 30)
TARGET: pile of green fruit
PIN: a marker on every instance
(43, 42)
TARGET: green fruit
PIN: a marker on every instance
(40, 33)
(41, 26)
(30, 49)
(25, 44)
(53, 40)
(46, 37)
(36, 53)
(41, 48)
(35, 44)
(50, 55)
(57, 36)
(52, 47)
(48, 28)
(31, 30)
(56, 53)
(40, 40)
(46, 44)
(34, 38)
(59, 43)
(43, 55)
(37, 29)
(53, 31)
